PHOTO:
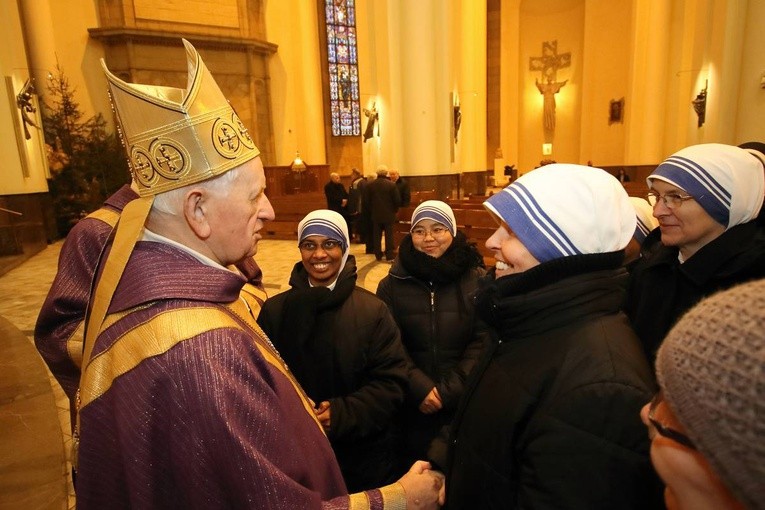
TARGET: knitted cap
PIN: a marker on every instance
(725, 180)
(437, 211)
(711, 368)
(560, 210)
(645, 219)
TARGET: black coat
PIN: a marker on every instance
(335, 194)
(550, 418)
(382, 200)
(662, 289)
(354, 349)
(442, 337)
(404, 191)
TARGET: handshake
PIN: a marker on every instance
(425, 487)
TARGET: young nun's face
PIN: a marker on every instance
(322, 258)
(509, 252)
(431, 237)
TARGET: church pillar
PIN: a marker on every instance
(474, 155)
(41, 47)
(509, 84)
(644, 143)
(424, 92)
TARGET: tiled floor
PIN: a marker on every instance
(24, 288)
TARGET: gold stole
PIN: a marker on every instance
(74, 342)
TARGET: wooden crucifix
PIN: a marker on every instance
(548, 64)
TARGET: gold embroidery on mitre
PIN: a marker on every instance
(177, 137)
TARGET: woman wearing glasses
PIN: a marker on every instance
(550, 417)
(706, 427)
(705, 198)
(428, 291)
(344, 348)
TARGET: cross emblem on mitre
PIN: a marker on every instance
(550, 61)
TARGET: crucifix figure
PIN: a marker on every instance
(548, 64)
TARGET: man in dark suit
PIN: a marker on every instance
(403, 187)
(382, 199)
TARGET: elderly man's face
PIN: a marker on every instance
(334, 178)
(237, 214)
(393, 175)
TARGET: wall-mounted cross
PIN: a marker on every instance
(550, 61)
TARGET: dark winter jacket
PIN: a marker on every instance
(382, 200)
(335, 194)
(662, 289)
(550, 418)
(343, 346)
(438, 329)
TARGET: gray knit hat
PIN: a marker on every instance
(711, 368)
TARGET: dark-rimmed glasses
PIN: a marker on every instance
(672, 200)
(326, 245)
(662, 429)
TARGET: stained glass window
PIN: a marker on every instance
(343, 67)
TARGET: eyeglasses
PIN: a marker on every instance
(435, 232)
(672, 200)
(663, 430)
(326, 245)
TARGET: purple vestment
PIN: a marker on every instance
(208, 421)
(64, 308)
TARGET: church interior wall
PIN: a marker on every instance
(542, 21)
(605, 71)
(296, 88)
(750, 106)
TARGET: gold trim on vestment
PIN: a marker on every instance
(108, 216)
(394, 496)
(151, 338)
(269, 352)
(76, 339)
(358, 501)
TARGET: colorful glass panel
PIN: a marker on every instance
(343, 67)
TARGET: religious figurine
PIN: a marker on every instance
(548, 90)
(548, 64)
(457, 121)
(700, 105)
(24, 102)
(372, 114)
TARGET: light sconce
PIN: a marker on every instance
(546, 149)
(700, 104)
(297, 164)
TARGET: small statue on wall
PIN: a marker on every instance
(457, 120)
(700, 104)
(372, 114)
(24, 103)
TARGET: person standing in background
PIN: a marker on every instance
(382, 199)
(403, 188)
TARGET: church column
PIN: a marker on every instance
(472, 78)
(418, 92)
(644, 140)
(38, 35)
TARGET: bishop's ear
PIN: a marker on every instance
(195, 209)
